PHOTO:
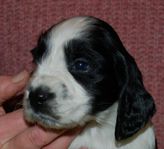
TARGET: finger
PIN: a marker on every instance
(11, 124)
(32, 138)
(64, 141)
(2, 111)
(10, 86)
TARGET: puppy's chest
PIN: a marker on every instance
(95, 138)
(103, 138)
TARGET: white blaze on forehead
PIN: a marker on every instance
(57, 39)
(67, 30)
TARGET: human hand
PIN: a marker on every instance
(15, 133)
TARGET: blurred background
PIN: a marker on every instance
(139, 23)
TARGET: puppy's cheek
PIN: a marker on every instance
(78, 116)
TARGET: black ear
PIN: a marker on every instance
(40, 50)
(34, 52)
(136, 106)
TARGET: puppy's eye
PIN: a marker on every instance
(81, 65)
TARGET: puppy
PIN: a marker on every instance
(85, 77)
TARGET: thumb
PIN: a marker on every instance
(10, 86)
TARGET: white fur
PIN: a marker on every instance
(100, 134)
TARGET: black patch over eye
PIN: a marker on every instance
(81, 65)
(84, 62)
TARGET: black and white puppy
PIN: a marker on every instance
(85, 76)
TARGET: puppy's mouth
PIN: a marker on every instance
(43, 119)
(47, 119)
(52, 115)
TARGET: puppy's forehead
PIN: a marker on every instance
(56, 39)
(67, 30)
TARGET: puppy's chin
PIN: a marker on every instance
(46, 121)
(49, 122)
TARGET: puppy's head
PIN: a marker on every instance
(82, 69)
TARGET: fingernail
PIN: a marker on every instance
(19, 77)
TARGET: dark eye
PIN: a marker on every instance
(81, 65)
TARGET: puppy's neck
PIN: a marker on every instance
(108, 117)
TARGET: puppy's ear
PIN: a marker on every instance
(39, 51)
(34, 54)
(136, 105)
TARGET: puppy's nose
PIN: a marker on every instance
(40, 96)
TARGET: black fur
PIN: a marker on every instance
(114, 76)
(41, 49)
(136, 105)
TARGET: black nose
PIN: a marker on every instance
(40, 96)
